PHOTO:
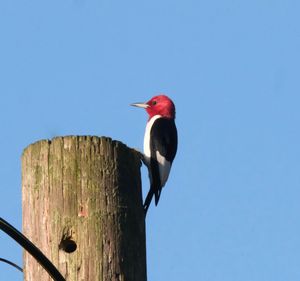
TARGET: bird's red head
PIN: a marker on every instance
(159, 105)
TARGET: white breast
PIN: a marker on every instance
(147, 151)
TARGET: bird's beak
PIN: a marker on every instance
(140, 104)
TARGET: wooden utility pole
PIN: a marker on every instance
(82, 206)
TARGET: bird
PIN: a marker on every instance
(160, 143)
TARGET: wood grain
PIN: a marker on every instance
(82, 206)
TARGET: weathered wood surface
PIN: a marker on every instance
(82, 206)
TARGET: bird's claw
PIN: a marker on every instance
(141, 155)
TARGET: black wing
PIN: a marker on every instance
(163, 138)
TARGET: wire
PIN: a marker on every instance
(12, 264)
(32, 249)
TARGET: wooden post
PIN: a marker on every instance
(82, 206)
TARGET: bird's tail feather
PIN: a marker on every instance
(148, 200)
(154, 191)
(157, 196)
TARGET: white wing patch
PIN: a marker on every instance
(164, 168)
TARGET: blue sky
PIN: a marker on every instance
(230, 210)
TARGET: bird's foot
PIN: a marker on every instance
(141, 155)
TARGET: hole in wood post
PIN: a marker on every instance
(68, 245)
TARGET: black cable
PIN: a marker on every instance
(32, 249)
(12, 264)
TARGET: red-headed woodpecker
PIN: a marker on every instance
(160, 143)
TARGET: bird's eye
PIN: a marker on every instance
(154, 102)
